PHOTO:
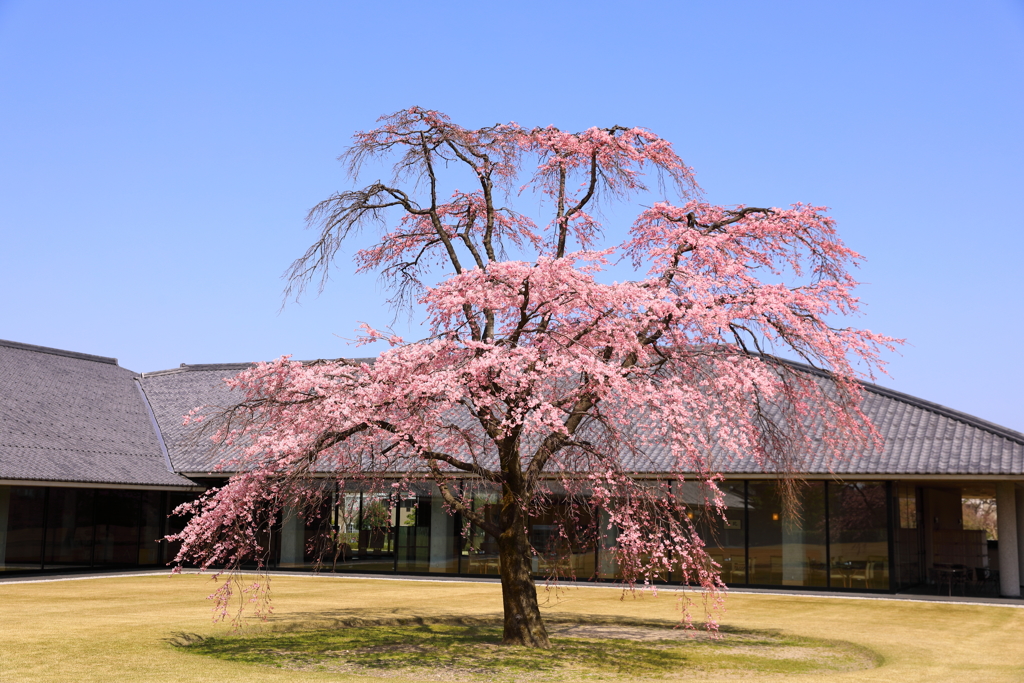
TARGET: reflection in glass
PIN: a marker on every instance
(787, 546)
(608, 557)
(563, 549)
(152, 526)
(415, 524)
(26, 506)
(908, 504)
(376, 533)
(358, 530)
(858, 535)
(345, 525)
(117, 527)
(607, 567)
(723, 538)
(174, 523)
(908, 560)
(69, 527)
(319, 542)
(480, 549)
(444, 537)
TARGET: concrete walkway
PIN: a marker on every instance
(907, 597)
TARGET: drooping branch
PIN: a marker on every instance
(337, 218)
(565, 216)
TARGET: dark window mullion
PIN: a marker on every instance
(396, 501)
(46, 525)
(95, 527)
(746, 530)
(892, 524)
(828, 540)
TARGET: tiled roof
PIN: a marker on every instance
(175, 392)
(921, 438)
(74, 417)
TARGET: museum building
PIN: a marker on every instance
(93, 457)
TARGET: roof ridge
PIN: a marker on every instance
(57, 352)
(155, 425)
(205, 367)
(215, 366)
(198, 368)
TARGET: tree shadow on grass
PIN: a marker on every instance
(457, 647)
(361, 618)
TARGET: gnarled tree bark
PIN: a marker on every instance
(523, 624)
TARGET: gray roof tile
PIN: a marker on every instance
(173, 393)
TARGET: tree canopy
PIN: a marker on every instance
(540, 375)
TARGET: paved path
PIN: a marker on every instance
(909, 597)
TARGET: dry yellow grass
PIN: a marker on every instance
(114, 629)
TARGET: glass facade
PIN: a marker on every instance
(836, 534)
(564, 552)
(479, 551)
(725, 538)
(71, 531)
(25, 528)
(62, 528)
(858, 538)
(908, 561)
(787, 544)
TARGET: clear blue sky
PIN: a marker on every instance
(157, 158)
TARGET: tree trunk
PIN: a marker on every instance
(523, 624)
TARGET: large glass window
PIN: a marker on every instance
(724, 539)
(414, 526)
(376, 533)
(445, 536)
(117, 527)
(611, 554)
(607, 565)
(319, 540)
(152, 526)
(69, 527)
(346, 522)
(174, 524)
(26, 508)
(361, 531)
(858, 535)
(480, 549)
(355, 531)
(65, 528)
(761, 541)
(907, 535)
(564, 549)
(787, 542)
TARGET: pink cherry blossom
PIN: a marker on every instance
(540, 379)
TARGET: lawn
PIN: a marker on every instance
(121, 629)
